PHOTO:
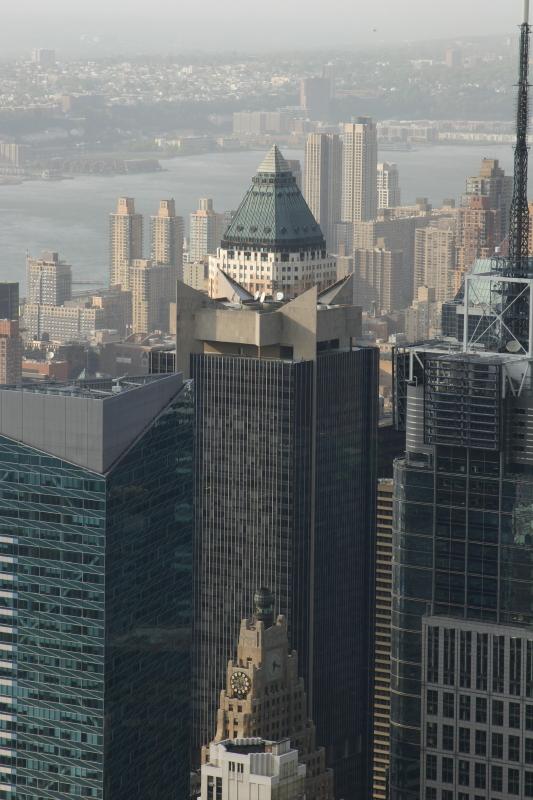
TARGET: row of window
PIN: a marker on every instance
(477, 709)
(462, 740)
(499, 779)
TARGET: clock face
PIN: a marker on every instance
(240, 685)
(273, 665)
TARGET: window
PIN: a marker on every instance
(513, 781)
(482, 660)
(448, 705)
(529, 718)
(446, 794)
(431, 734)
(447, 770)
(496, 778)
(447, 737)
(449, 656)
(481, 743)
(480, 777)
(513, 748)
(464, 707)
(498, 660)
(481, 709)
(514, 715)
(432, 701)
(497, 712)
(515, 665)
(464, 773)
(497, 745)
(431, 767)
(528, 784)
(431, 793)
(464, 740)
(528, 751)
(465, 658)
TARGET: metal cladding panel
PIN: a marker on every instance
(91, 432)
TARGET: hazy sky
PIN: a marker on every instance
(246, 24)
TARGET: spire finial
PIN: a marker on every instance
(264, 606)
(526, 12)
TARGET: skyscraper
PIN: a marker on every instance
(435, 259)
(389, 194)
(265, 696)
(497, 187)
(49, 280)
(125, 241)
(167, 238)
(273, 243)
(206, 230)
(284, 494)
(96, 586)
(323, 182)
(359, 171)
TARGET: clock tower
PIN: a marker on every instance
(264, 696)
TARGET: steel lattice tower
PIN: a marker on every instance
(518, 265)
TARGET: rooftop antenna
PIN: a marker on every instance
(516, 300)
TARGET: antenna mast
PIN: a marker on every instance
(517, 314)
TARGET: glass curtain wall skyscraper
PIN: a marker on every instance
(95, 575)
(285, 414)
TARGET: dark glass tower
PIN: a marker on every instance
(95, 574)
(286, 415)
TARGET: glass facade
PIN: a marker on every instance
(463, 530)
(285, 493)
(95, 587)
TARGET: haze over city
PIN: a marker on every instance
(240, 26)
(266, 401)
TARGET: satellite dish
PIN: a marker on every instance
(279, 296)
(262, 298)
(513, 346)
(257, 295)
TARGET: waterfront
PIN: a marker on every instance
(72, 216)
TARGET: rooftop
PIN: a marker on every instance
(273, 213)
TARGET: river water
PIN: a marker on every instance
(72, 216)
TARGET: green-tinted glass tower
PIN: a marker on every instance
(95, 588)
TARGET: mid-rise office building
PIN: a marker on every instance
(61, 323)
(389, 193)
(252, 768)
(11, 350)
(315, 97)
(323, 182)
(423, 318)
(205, 230)
(285, 497)
(360, 163)
(152, 291)
(382, 645)
(167, 238)
(48, 279)
(125, 241)
(96, 587)
(265, 696)
(273, 243)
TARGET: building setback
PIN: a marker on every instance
(95, 575)
(286, 418)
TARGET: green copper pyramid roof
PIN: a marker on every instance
(273, 213)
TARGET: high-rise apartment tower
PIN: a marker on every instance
(359, 172)
(125, 241)
(323, 182)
